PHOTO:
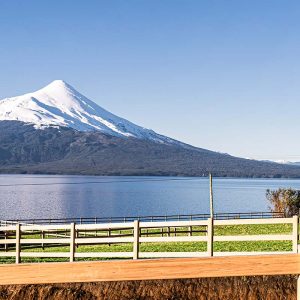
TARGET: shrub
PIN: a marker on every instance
(284, 200)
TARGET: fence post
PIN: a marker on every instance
(43, 237)
(72, 242)
(295, 234)
(190, 229)
(18, 243)
(210, 237)
(5, 237)
(298, 287)
(136, 236)
(295, 248)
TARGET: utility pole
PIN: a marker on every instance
(210, 227)
(211, 198)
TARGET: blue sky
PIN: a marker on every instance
(222, 75)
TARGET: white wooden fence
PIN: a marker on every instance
(14, 238)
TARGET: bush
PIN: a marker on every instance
(284, 200)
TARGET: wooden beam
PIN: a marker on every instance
(149, 269)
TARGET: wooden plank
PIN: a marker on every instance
(251, 253)
(45, 254)
(173, 224)
(104, 254)
(8, 241)
(104, 226)
(82, 241)
(171, 254)
(8, 228)
(165, 239)
(46, 227)
(150, 269)
(7, 254)
(141, 254)
(152, 224)
(254, 221)
(45, 241)
(266, 237)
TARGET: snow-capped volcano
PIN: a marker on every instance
(59, 104)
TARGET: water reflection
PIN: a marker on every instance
(75, 196)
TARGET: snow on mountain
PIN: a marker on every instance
(282, 162)
(286, 162)
(59, 104)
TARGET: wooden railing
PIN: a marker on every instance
(16, 238)
(155, 218)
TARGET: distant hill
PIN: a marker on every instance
(63, 150)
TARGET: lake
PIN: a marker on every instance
(44, 196)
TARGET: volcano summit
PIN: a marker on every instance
(57, 130)
(59, 104)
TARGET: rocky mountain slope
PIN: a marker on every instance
(25, 149)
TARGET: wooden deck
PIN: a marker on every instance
(149, 269)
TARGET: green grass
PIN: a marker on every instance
(180, 246)
(253, 229)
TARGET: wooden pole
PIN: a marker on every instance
(18, 243)
(295, 234)
(72, 242)
(210, 229)
(295, 248)
(210, 237)
(136, 236)
(211, 198)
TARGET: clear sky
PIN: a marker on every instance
(222, 75)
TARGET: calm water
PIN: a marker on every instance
(36, 196)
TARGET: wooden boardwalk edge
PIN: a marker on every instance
(41, 273)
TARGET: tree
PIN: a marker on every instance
(284, 200)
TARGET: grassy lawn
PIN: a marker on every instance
(178, 246)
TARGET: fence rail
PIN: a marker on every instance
(178, 217)
(17, 239)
